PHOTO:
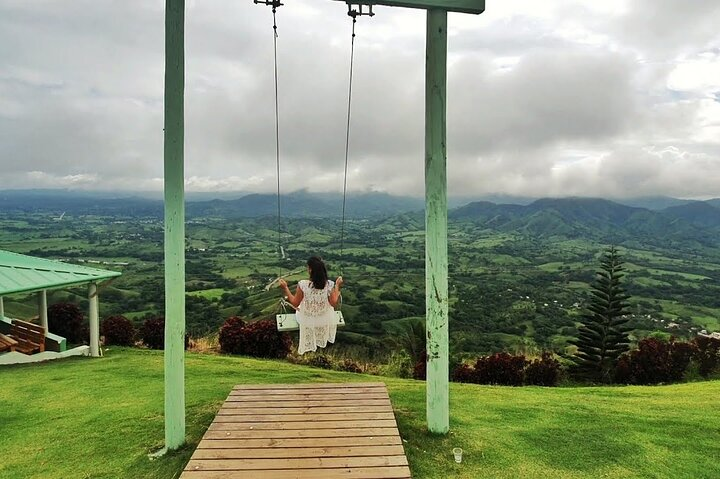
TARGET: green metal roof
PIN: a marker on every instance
(20, 273)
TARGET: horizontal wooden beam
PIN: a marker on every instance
(461, 6)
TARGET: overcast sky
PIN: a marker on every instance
(611, 98)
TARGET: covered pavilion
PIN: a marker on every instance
(22, 274)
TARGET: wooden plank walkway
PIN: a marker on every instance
(298, 431)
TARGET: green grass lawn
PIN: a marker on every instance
(98, 418)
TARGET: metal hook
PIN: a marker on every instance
(271, 3)
(357, 10)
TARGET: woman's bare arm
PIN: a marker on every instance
(335, 293)
(294, 299)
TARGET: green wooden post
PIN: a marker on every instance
(174, 224)
(436, 253)
(42, 309)
(94, 319)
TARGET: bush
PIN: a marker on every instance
(544, 371)
(654, 361)
(260, 339)
(707, 354)
(66, 320)
(152, 333)
(462, 373)
(118, 330)
(232, 336)
(350, 366)
(399, 365)
(420, 369)
(500, 368)
(320, 361)
(263, 340)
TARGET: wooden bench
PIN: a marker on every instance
(30, 337)
(7, 344)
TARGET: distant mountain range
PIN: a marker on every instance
(598, 218)
(297, 204)
(665, 217)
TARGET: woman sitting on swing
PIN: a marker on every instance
(315, 302)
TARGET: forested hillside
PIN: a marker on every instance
(518, 273)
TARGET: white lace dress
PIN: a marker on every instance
(316, 317)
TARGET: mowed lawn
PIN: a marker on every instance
(99, 418)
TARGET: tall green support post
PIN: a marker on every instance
(174, 224)
(436, 249)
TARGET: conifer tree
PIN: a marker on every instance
(603, 336)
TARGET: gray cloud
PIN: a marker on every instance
(580, 98)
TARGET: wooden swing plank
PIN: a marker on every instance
(300, 452)
(288, 322)
(301, 463)
(318, 390)
(398, 472)
(348, 386)
(295, 442)
(232, 416)
(232, 409)
(279, 404)
(314, 437)
(305, 397)
(461, 6)
(297, 425)
(287, 434)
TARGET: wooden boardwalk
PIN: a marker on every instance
(297, 431)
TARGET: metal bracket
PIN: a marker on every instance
(270, 3)
(357, 10)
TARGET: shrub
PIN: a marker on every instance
(320, 361)
(66, 320)
(232, 336)
(420, 369)
(707, 354)
(350, 366)
(263, 340)
(260, 339)
(152, 333)
(118, 330)
(623, 370)
(544, 371)
(500, 368)
(654, 361)
(462, 373)
(399, 365)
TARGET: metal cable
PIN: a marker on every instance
(277, 134)
(347, 144)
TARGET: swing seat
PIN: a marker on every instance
(287, 322)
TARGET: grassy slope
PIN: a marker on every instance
(85, 418)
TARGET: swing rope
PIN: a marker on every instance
(277, 134)
(347, 140)
(353, 14)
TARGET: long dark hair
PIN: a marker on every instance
(318, 272)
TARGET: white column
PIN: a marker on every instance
(42, 309)
(2, 307)
(94, 320)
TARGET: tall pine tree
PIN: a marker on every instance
(603, 336)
